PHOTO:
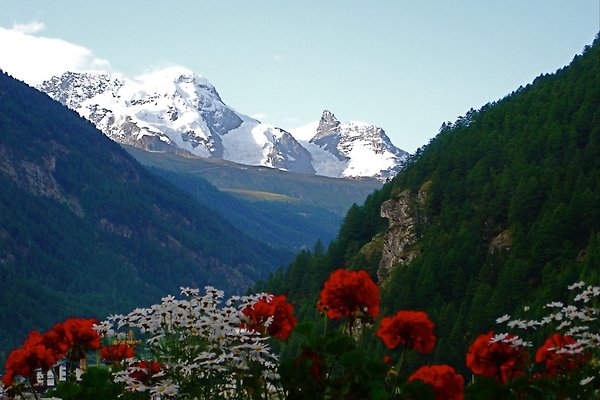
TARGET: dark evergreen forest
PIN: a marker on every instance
(525, 168)
(86, 231)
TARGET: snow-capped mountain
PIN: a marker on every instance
(350, 149)
(178, 110)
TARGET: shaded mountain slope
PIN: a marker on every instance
(86, 230)
(333, 194)
(269, 217)
(283, 208)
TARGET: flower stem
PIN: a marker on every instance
(361, 340)
(399, 366)
(401, 361)
(32, 391)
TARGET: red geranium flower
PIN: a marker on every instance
(558, 363)
(413, 329)
(79, 336)
(42, 353)
(349, 294)
(115, 354)
(19, 362)
(447, 384)
(495, 360)
(39, 351)
(144, 370)
(80, 331)
(280, 313)
(56, 340)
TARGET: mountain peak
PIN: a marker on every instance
(172, 74)
(176, 78)
(73, 88)
(176, 109)
(328, 125)
(353, 149)
(328, 116)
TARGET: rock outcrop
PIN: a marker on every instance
(400, 238)
(502, 241)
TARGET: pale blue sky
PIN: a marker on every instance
(406, 66)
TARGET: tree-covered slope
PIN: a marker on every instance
(504, 206)
(283, 208)
(272, 218)
(86, 230)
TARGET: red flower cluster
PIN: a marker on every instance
(558, 363)
(37, 353)
(281, 312)
(495, 360)
(79, 336)
(80, 332)
(413, 329)
(115, 354)
(41, 351)
(349, 294)
(144, 370)
(447, 384)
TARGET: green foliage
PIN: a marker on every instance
(96, 383)
(332, 366)
(418, 390)
(561, 387)
(331, 194)
(514, 167)
(488, 389)
(291, 225)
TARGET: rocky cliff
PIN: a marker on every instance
(399, 241)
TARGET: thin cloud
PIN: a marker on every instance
(259, 116)
(292, 120)
(30, 28)
(305, 132)
(34, 59)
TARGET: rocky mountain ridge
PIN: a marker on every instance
(177, 110)
(361, 149)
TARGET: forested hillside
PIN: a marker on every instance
(86, 230)
(286, 209)
(505, 211)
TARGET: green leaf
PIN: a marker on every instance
(305, 329)
(339, 344)
(353, 360)
(418, 390)
(487, 389)
(66, 391)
